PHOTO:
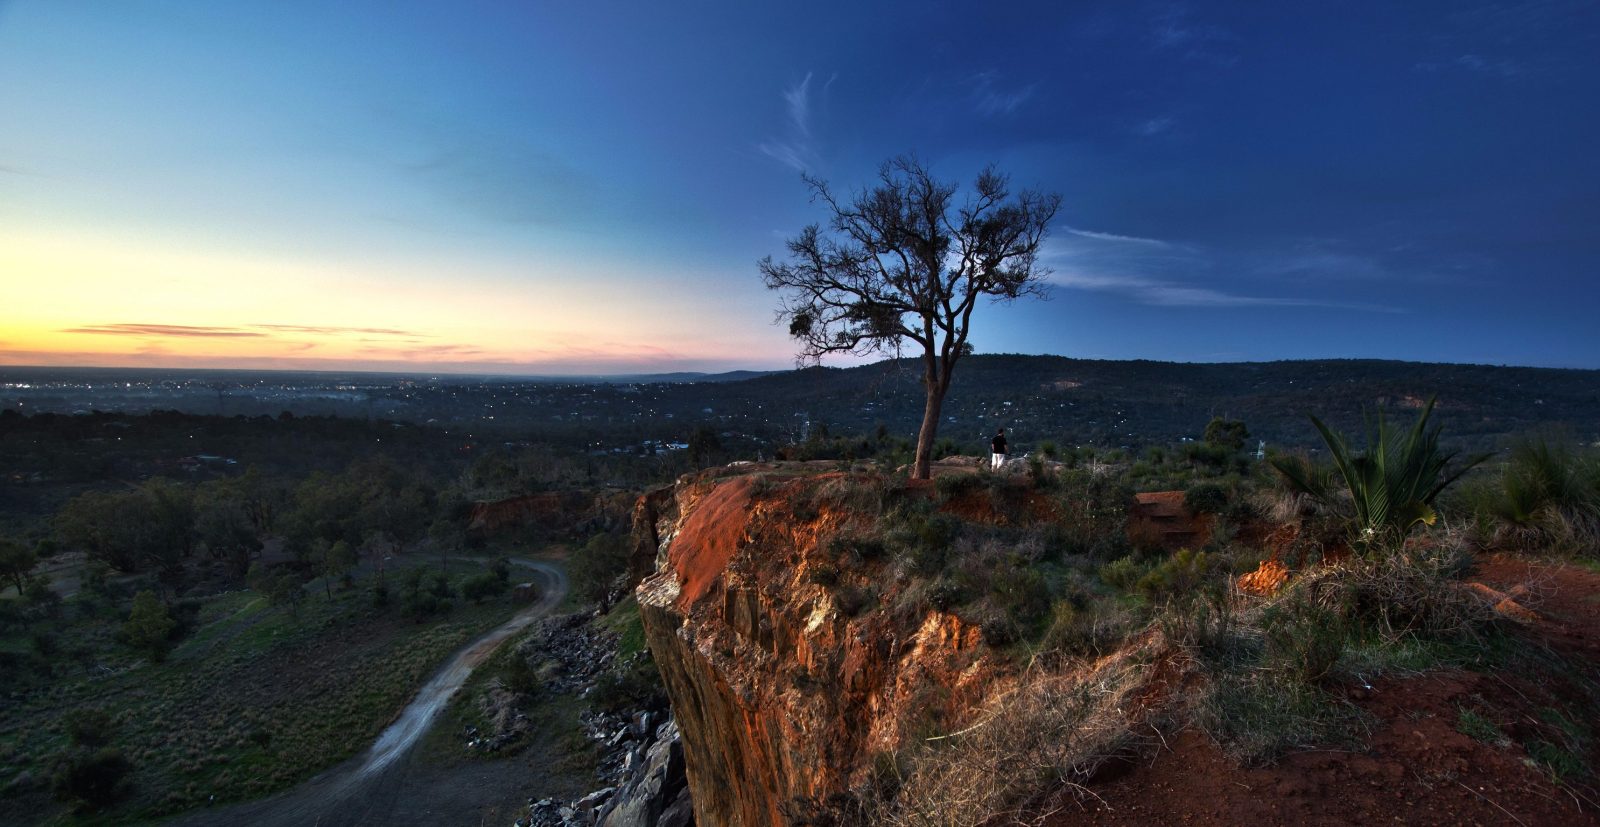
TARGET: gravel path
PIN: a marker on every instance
(370, 788)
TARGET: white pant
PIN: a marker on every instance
(997, 460)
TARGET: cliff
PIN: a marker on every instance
(791, 659)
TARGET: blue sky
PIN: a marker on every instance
(586, 187)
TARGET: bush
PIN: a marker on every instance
(947, 487)
(1123, 573)
(1023, 594)
(1206, 498)
(1413, 594)
(630, 686)
(519, 676)
(1180, 576)
(90, 728)
(924, 541)
(1259, 716)
(482, 587)
(91, 779)
(944, 595)
(1091, 631)
(148, 625)
(1303, 640)
(597, 566)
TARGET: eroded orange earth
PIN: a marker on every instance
(1418, 766)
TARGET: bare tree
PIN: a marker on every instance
(900, 262)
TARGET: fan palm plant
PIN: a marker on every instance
(1393, 483)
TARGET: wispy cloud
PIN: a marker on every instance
(1175, 30)
(1475, 64)
(241, 331)
(990, 100)
(165, 330)
(1129, 239)
(1155, 272)
(333, 331)
(798, 148)
(1152, 127)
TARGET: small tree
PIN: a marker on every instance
(901, 264)
(335, 560)
(1227, 433)
(16, 560)
(148, 625)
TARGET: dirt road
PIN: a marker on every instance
(369, 789)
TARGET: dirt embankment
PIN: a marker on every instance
(1448, 747)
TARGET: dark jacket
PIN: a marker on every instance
(998, 444)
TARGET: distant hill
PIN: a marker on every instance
(1069, 401)
(1078, 401)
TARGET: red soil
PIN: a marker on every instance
(1418, 768)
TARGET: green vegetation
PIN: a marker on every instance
(251, 699)
(1547, 496)
(1392, 484)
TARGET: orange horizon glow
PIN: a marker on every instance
(102, 301)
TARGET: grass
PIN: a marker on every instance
(1474, 725)
(257, 699)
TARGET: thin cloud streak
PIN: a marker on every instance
(1129, 239)
(1122, 265)
(991, 100)
(798, 149)
(245, 331)
(165, 330)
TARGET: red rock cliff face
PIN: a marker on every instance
(785, 690)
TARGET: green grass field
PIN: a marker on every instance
(254, 700)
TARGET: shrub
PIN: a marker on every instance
(148, 625)
(482, 587)
(91, 779)
(1548, 494)
(855, 600)
(631, 685)
(945, 595)
(924, 541)
(90, 727)
(1393, 483)
(1123, 573)
(519, 675)
(1413, 593)
(1021, 591)
(1303, 640)
(596, 567)
(1258, 716)
(1054, 731)
(1181, 575)
(947, 487)
(1092, 631)
(1206, 498)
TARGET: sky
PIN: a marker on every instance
(580, 188)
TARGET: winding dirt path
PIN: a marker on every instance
(364, 789)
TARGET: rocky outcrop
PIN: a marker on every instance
(792, 665)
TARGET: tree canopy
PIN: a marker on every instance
(902, 263)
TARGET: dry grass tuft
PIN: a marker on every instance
(1049, 734)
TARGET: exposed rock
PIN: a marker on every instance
(783, 696)
(648, 787)
(653, 787)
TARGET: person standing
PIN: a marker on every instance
(997, 446)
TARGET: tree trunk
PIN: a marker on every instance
(922, 468)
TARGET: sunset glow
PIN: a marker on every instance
(558, 189)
